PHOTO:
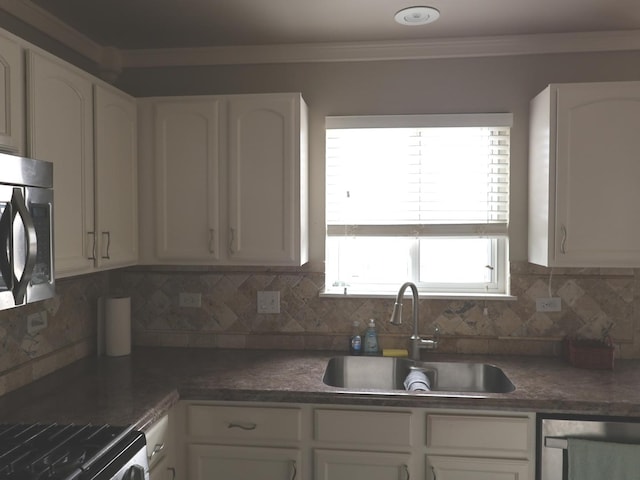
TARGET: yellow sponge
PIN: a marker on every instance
(395, 352)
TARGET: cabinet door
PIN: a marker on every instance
(60, 118)
(597, 175)
(469, 468)
(212, 462)
(187, 181)
(360, 465)
(116, 178)
(11, 97)
(265, 179)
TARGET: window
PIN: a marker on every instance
(422, 198)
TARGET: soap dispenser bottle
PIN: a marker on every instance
(355, 341)
(371, 339)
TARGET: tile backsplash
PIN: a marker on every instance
(70, 333)
(594, 301)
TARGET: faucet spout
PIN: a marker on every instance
(396, 319)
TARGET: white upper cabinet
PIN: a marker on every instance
(267, 179)
(60, 129)
(11, 96)
(584, 171)
(187, 180)
(116, 183)
(230, 180)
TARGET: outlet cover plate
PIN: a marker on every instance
(549, 304)
(190, 300)
(36, 322)
(268, 302)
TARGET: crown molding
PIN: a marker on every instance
(112, 59)
(375, 51)
(50, 25)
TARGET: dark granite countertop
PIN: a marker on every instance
(139, 388)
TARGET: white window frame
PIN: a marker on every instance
(498, 233)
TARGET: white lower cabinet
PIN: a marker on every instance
(469, 468)
(161, 448)
(207, 462)
(479, 447)
(238, 441)
(354, 465)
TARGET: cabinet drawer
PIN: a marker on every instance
(507, 435)
(280, 424)
(364, 428)
(157, 440)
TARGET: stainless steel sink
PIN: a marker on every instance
(387, 373)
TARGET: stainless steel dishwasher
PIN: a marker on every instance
(553, 431)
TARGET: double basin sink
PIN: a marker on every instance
(389, 373)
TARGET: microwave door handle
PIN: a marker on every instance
(20, 208)
(6, 247)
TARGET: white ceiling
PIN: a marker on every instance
(136, 24)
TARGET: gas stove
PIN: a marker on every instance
(72, 452)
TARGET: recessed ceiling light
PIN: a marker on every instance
(417, 15)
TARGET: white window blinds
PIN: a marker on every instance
(417, 175)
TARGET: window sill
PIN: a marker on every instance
(425, 296)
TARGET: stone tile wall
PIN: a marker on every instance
(594, 302)
(69, 336)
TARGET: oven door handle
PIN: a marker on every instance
(136, 472)
(20, 208)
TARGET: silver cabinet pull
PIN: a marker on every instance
(108, 235)
(406, 471)
(93, 245)
(243, 425)
(294, 467)
(173, 472)
(212, 244)
(433, 470)
(563, 242)
(157, 449)
(232, 240)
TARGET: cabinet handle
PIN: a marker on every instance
(108, 235)
(93, 245)
(563, 242)
(173, 472)
(406, 471)
(232, 240)
(157, 449)
(212, 245)
(433, 471)
(243, 425)
(295, 470)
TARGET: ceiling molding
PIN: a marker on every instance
(375, 51)
(50, 25)
(112, 59)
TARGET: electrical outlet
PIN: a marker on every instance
(36, 322)
(549, 304)
(190, 300)
(268, 302)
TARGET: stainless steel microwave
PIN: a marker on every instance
(26, 231)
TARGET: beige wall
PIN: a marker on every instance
(471, 85)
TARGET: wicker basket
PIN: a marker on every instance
(593, 354)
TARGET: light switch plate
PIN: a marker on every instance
(268, 302)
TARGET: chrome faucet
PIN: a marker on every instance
(417, 343)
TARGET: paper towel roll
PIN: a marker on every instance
(117, 326)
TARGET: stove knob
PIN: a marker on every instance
(136, 472)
